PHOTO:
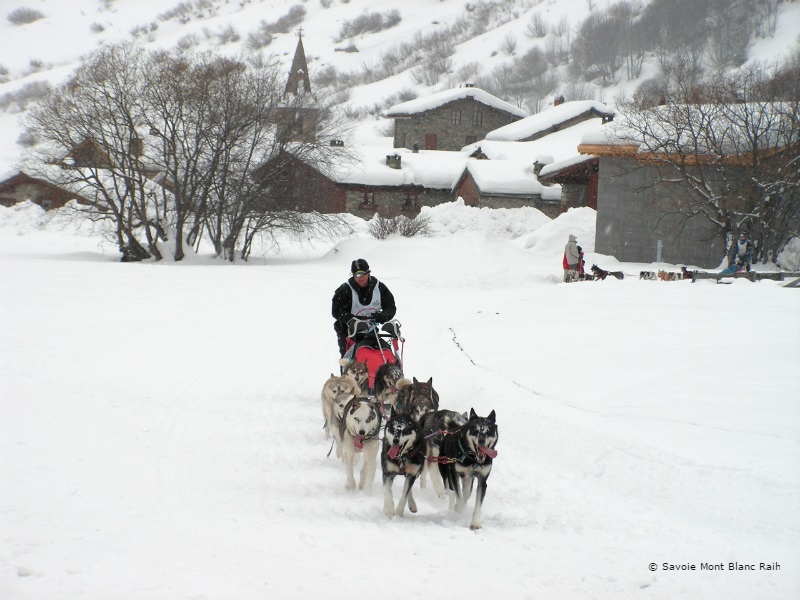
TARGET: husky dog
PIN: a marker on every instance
(403, 453)
(435, 426)
(602, 273)
(417, 398)
(647, 275)
(359, 430)
(387, 379)
(357, 369)
(465, 457)
(336, 393)
(337, 387)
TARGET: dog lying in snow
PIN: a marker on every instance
(602, 273)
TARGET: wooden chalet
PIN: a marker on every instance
(22, 187)
(364, 181)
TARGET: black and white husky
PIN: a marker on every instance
(436, 425)
(417, 398)
(465, 457)
(403, 453)
(359, 429)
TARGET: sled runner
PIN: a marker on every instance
(374, 344)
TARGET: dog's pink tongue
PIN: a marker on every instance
(490, 452)
(359, 441)
(394, 451)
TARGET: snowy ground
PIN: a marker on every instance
(161, 433)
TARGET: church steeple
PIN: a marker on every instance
(298, 82)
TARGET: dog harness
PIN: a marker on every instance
(358, 309)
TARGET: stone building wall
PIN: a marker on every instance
(634, 214)
(391, 202)
(455, 125)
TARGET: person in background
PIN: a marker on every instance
(742, 252)
(572, 258)
(360, 296)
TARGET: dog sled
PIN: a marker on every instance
(374, 344)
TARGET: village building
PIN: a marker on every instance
(562, 115)
(506, 184)
(450, 119)
(367, 180)
(21, 187)
(558, 146)
(298, 112)
(577, 176)
(642, 216)
(636, 220)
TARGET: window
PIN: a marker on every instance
(477, 118)
(412, 202)
(368, 202)
(455, 117)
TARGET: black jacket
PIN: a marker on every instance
(342, 302)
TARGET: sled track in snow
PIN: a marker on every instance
(600, 412)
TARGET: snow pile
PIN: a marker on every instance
(789, 258)
(498, 223)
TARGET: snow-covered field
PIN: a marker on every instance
(161, 433)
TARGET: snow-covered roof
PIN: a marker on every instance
(666, 126)
(566, 163)
(504, 176)
(553, 147)
(366, 165)
(426, 103)
(548, 119)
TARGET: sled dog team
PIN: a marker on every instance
(453, 449)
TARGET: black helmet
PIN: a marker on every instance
(359, 264)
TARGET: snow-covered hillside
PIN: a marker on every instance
(48, 48)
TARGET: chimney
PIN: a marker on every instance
(468, 84)
(540, 162)
(558, 100)
(393, 161)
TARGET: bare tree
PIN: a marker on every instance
(89, 134)
(166, 145)
(597, 50)
(732, 144)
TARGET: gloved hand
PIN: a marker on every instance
(354, 325)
